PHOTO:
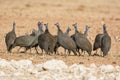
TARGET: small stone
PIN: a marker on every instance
(81, 62)
(113, 62)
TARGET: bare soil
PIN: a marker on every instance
(26, 14)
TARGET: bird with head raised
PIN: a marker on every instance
(81, 41)
(86, 31)
(47, 41)
(28, 41)
(10, 38)
(105, 41)
(67, 31)
(65, 41)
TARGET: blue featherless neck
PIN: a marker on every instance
(40, 27)
(104, 27)
(86, 30)
(14, 24)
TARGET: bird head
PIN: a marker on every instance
(68, 29)
(86, 30)
(14, 23)
(104, 27)
(57, 25)
(40, 26)
(75, 26)
(46, 25)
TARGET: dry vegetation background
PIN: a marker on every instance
(26, 14)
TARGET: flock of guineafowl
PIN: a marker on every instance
(50, 43)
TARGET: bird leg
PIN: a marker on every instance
(78, 52)
(65, 53)
(36, 50)
(69, 51)
(83, 52)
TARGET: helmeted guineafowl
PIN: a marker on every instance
(81, 41)
(105, 42)
(67, 31)
(65, 41)
(10, 37)
(47, 41)
(57, 44)
(35, 42)
(27, 41)
(97, 42)
(86, 34)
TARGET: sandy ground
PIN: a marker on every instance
(26, 14)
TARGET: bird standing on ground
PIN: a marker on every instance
(105, 42)
(10, 38)
(65, 41)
